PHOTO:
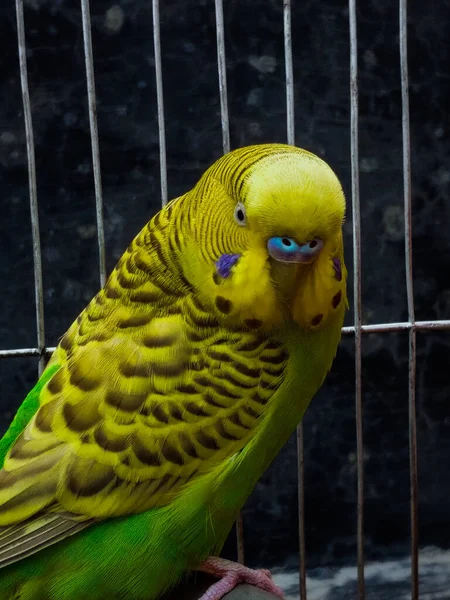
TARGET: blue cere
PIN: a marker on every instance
(286, 249)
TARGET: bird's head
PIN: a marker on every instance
(266, 237)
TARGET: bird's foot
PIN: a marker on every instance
(231, 574)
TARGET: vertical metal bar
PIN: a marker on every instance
(240, 539)
(221, 63)
(37, 257)
(410, 300)
(357, 308)
(160, 102)
(301, 512)
(289, 72)
(89, 62)
(290, 126)
(225, 123)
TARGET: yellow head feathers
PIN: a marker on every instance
(273, 215)
(294, 194)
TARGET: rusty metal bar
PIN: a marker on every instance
(34, 211)
(160, 102)
(92, 106)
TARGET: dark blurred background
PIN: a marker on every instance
(125, 83)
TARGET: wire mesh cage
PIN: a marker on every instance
(363, 326)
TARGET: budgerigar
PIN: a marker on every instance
(167, 398)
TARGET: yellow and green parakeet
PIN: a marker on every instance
(175, 388)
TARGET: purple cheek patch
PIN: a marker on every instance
(337, 268)
(225, 263)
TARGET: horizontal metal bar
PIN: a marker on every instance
(443, 325)
(403, 326)
(26, 352)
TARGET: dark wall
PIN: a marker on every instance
(125, 80)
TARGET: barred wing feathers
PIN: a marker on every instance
(148, 396)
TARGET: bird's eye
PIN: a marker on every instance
(239, 214)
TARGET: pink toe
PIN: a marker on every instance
(231, 573)
(219, 589)
(266, 572)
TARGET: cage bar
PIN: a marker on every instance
(92, 106)
(290, 127)
(412, 428)
(225, 125)
(34, 210)
(357, 305)
(18, 352)
(160, 102)
(222, 67)
(438, 325)
(288, 66)
(442, 325)
(301, 512)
